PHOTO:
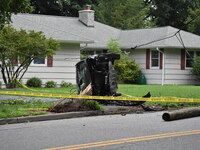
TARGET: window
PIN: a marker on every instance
(190, 55)
(99, 52)
(154, 58)
(88, 53)
(189, 58)
(40, 61)
(198, 53)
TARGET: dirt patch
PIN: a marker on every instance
(131, 109)
(75, 105)
(79, 105)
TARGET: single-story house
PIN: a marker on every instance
(159, 52)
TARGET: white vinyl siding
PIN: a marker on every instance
(173, 73)
(63, 69)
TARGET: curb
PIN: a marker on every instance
(51, 117)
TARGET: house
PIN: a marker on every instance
(159, 52)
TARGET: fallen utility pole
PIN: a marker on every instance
(181, 114)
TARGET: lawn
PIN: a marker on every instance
(67, 90)
(18, 108)
(129, 89)
(160, 91)
(163, 91)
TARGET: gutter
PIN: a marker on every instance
(80, 42)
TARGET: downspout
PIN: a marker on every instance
(163, 68)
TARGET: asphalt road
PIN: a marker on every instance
(130, 132)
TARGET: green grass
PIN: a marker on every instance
(18, 108)
(133, 90)
(94, 105)
(44, 90)
(160, 91)
(71, 90)
(163, 91)
(9, 109)
(129, 89)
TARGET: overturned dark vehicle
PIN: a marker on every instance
(96, 74)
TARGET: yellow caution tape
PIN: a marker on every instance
(35, 109)
(153, 99)
(24, 86)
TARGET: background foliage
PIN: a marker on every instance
(129, 14)
(18, 49)
(196, 67)
(9, 7)
(127, 70)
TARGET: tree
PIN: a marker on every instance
(196, 67)
(193, 21)
(113, 46)
(21, 47)
(171, 12)
(60, 7)
(8, 7)
(122, 14)
(127, 70)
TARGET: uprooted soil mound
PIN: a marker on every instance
(75, 105)
(82, 105)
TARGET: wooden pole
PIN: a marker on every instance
(181, 114)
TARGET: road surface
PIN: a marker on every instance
(116, 132)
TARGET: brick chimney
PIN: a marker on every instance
(86, 16)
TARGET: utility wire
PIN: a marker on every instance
(168, 36)
(157, 40)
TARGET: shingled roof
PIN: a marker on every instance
(71, 30)
(162, 37)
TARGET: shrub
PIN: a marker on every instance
(196, 66)
(127, 71)
(93, 105)
(50, 84)
(65, 84)
(0, 84)
(34, 82)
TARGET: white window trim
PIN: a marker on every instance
(151, 60)
(195, 55)
(45, 64)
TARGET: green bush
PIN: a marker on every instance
(34, 82)
(93, 105)
(65, 84)
(50, 84)
(196, 66)
(0, 84)
(127, 71)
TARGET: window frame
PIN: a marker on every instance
(45, 63)
(154, 67)
(195, 55)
